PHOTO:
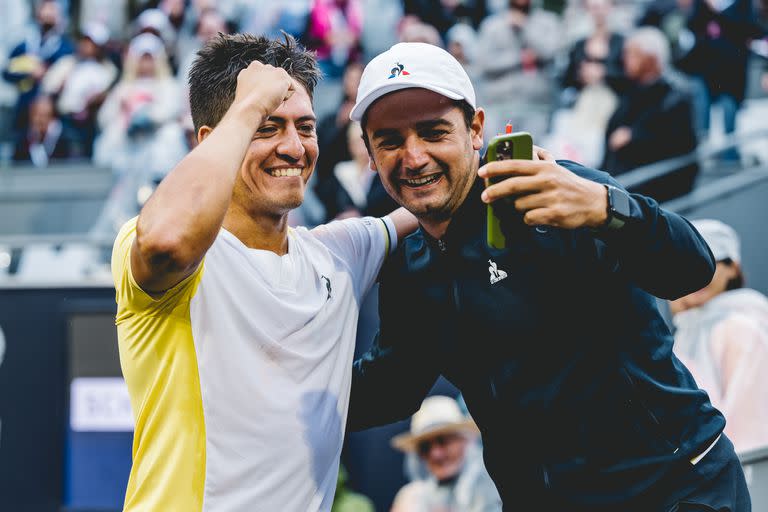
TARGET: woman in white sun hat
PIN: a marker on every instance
(445, 443)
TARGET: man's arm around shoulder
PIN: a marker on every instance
(390, 381)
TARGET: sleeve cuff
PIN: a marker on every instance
(389, 227)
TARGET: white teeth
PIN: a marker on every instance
(422, 181)
(294, 171)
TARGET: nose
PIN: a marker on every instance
(290, 147)
(415, 156)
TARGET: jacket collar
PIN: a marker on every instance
(464, 222)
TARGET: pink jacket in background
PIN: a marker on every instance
(329, 16)
(725, 345)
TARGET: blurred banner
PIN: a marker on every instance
(65, 420)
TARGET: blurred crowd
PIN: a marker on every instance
(613, 86)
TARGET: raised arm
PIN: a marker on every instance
(182, 218)
(656, 249)
(659, 250)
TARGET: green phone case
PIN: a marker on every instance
(522, 149)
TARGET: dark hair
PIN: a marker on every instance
(213, 75)
(467, 110)
(736, 282)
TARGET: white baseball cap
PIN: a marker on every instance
(96, 32)
(146, 43)
(408, 65)
(721, 238)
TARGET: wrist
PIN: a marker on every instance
(618, 209)
(600, 206)
(247, 116)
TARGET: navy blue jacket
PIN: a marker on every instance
(565, 364)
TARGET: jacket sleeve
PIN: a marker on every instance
(656, 249)
(390, 381)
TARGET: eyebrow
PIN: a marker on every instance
(421, 125)
(282, 120)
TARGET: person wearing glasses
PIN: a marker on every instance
(444, 442)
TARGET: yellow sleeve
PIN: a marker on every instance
(131, 299)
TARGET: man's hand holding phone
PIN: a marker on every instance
(545, 192)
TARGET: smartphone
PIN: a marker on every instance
(507, 146)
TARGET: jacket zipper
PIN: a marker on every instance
(454, 284)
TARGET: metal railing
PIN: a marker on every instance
(703, 152)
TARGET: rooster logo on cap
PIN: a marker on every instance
(398, 70)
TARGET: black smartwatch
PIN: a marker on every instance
(618, 208)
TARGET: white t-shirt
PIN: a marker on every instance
(272, 342)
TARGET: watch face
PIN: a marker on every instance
(619, 203)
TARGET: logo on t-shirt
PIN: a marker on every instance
(327, 286)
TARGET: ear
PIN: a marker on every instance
(371, 161)
(203, 132)
(476, 129)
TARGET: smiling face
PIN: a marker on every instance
(424, 152)
(279, 160)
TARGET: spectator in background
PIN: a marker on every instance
(334, 33)
(461, 42)
(653, 120)
(182, 21)
(446, 443)
(355, 176)
(333, 142)
(722, 336)
(722, 32)
(380, 31)
(44, 139)
(597, 59)
(361, 192)
(30, 59)
(156, 22)
(413, 30)
(443, 14)
(81, 82)
(578, 133)
(210, 23)
(671, 17)
(515, 51)
(139, 118)
(176, 12)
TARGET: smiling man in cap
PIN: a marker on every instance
(555, 341)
